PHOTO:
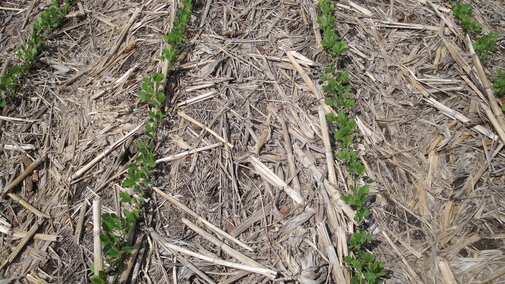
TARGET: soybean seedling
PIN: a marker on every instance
(484, 45)
(362, 264)
(499, 86)
(27, 53)
(118, 228)
(464, 12)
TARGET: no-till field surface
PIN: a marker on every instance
(435, 164)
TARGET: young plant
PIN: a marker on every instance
(330, 39)
(39, 31)
(116, 229)
(484, 45)
(174, 38)
(8, 83)
(464, 12)
(362, 264)
(499, 86)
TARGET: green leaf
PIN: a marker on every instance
(128, 183)
(106, 226)
(369, 238)
(160, 97)
(105, 239)
(37, 25)
(364, 189)
(342, 155)
(125, 197)
(126, 249)
(357, 239)
(357, 264)
(144, 96)
(149, 128)
(368, 257)
(147, 85)
(95, 279)
(113, 220)
(112, 252)
(349, 103)
(130, 217)
(348, 259)
(157, 77)
(137, 189)
(370, 277)
(346, 198)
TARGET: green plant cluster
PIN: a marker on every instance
(174, 38)
(499, 86)
(464, 12)
(116, 229)
(483, 45)
(27, 53)
(362, 264)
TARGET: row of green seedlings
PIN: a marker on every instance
(484, 45)
(361, 263)
(27, 53)
(116, 228)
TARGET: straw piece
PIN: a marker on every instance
(97, 244)
(336, 268)
(229, 250)
(205, 222)
(216, 261)
(446, 271)
(28, 206)
(309, 82)
(412, 273)
(332, 176)
(80, 222)
(23, 175)
(16, 234)
(186, 153)
(308, 162)
(273, 179)
(29, 235)
(102, 155)
(194, 121)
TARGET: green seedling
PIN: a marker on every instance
(464, 12)
(485, 45)
(357, 200)
(117, 228)
(499, 84)
(27, 53)
(326, 23)
(362, 264)
(175, 37)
